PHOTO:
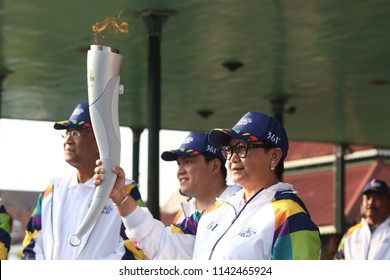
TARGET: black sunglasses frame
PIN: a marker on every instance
(227, 151)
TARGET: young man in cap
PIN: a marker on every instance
(63, 205)
(201, 173)
(265, 220)
(370, 238)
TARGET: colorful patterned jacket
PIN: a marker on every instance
(59, 212)
(273, 225)
(189, 207)
(5, 233)
(358, 243)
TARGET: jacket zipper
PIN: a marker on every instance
(237, 215)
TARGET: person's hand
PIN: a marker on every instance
(124, 202)
(118, 192)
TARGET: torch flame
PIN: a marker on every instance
(109, 25)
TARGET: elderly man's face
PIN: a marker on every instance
(376, 207)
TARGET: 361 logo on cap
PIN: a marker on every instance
(211, 149)
(272, 137)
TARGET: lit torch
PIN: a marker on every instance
(103, 79)
(108, 26)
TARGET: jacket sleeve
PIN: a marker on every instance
(5, 233)
(296, 237)
(340, 250)
(32, 242)
(160, 242)
(132, 251)
(340, 254)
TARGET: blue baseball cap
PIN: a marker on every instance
(253, 127)
(80, 118)
(195, 143)
(376, 185)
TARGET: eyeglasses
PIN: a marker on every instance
(241, 149)
(74, 134)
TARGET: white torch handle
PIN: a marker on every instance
(103, 96)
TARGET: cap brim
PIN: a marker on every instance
(70, 124)
(376, 190)
(172, 155)
(221, 137)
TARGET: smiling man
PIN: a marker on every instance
(201, 173)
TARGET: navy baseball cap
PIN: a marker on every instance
(376, 185)
(80, 118)
(253, 127)
(195, 143)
